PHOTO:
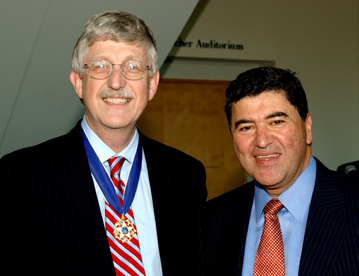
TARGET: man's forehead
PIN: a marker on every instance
(268, 103)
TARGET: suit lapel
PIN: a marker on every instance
(326, 225)
(247, 206)
(79, 187)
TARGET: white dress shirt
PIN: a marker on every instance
(142, 206)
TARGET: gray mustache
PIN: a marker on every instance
(122, 93)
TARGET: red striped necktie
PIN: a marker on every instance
(121, 230)
(270, 253)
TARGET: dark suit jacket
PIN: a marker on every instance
(51, 221)
(331, 242)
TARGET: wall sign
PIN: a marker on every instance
(211, 44)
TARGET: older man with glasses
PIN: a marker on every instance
(104, 199)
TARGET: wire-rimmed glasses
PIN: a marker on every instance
(131, 70)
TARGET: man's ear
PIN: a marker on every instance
(76, 81)
(308, 126)
(154, 84)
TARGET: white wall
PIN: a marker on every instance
(316, 39)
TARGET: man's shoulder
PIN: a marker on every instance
(340, 178)
(349, 186)
(54, 146)
(332, 182)
(241, 196)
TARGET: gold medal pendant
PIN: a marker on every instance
(124, 230)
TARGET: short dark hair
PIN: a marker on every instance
(255, 81)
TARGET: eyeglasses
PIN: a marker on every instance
(131, 70)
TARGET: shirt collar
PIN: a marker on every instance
(103, 151)
(296, 199)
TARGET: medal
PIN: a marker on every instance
(124, 230)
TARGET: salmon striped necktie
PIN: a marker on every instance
(121, 230)
(270, 254)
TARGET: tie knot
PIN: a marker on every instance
(115, 169)
(273, 206)
(116, 161)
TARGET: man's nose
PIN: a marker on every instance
(116, 80)
(263, 138)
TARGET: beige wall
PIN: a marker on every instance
(316, 39)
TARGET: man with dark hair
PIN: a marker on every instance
(296, 217)
(104, 199)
